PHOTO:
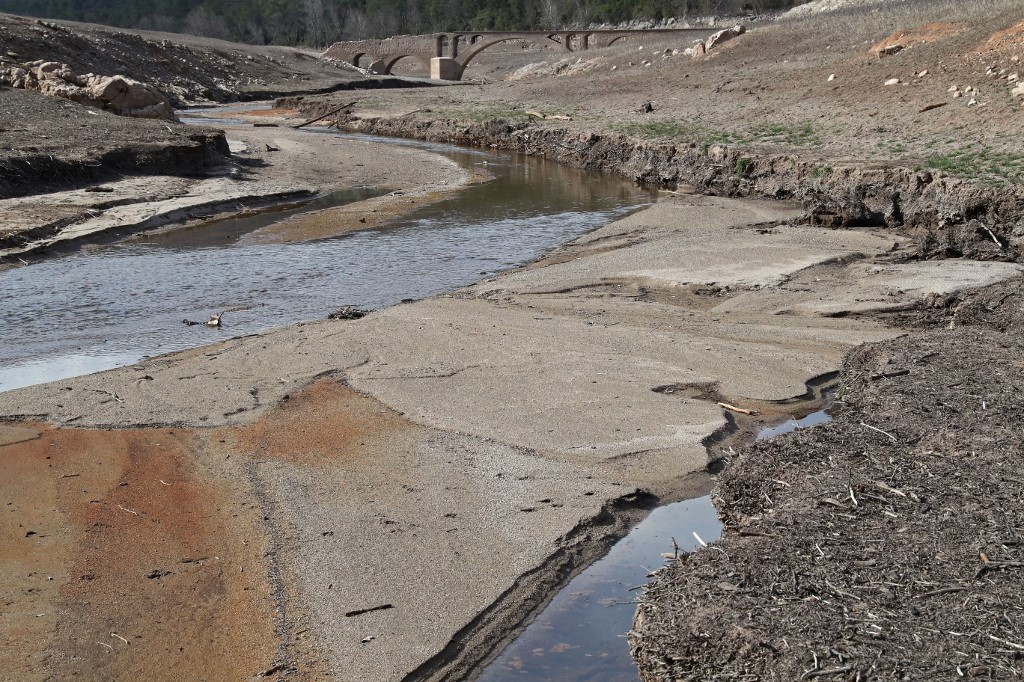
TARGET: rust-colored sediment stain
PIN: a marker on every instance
(325, 424)
(922, 34)
(1010, 38)
(125, 557)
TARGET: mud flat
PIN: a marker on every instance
(389, 498)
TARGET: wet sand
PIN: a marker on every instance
(437, 469)
(268, 166)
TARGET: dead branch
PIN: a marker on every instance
(884, 433)
(329, 113)
(741, 410)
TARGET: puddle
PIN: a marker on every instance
(581, 635)
(813, 419)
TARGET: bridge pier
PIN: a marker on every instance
(379, 67)
(446, 69)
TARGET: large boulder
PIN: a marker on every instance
(130, 97)
(724, 35)
(118, 94)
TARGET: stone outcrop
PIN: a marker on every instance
(716, 39)
(118, 94)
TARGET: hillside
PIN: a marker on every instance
(321, 22)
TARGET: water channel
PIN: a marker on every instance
(108, 305)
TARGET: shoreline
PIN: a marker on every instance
(269, 166)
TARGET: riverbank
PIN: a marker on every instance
(496, 504)
(883, 545)
(252, 167)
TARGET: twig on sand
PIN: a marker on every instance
(130, 511)
(106, 645)
(113, 395)
(702, 543)
(733, 408)
(114, 634)
(359, 612)
(884, 433)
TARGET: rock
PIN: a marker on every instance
(890, 50)
(892, 81)
(831, 78)
(923, 74)
(724, 35)
(130, 97)
(1018, 91)
(958, 94)
(348, 313)
(1013, 78)
(120, 94)
(954, 88)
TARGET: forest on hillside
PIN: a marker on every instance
(321, 22)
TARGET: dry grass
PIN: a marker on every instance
(860, 24)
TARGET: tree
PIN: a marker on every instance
(202, 22)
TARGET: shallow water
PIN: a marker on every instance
(109, 305)
(791, 424)
(581, 635)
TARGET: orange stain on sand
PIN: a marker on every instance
(126, 557)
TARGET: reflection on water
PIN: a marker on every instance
(110, 305)
(813, 419)
(581, 635)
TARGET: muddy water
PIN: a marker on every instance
(110, 305)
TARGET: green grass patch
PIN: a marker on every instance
(793, 135)
(987, 165)
(819, 172)
(797, 134)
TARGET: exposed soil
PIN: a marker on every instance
(884, 545)
(129, 560)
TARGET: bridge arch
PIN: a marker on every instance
(479, 44)
(389, 64)
(355, 59)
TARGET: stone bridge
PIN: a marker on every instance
(448, 54)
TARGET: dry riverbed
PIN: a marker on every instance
(389, 497)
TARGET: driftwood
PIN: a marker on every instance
(741, 410)
(332, 112)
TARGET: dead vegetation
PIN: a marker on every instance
(886, 545)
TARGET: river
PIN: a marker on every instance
(108, 305)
